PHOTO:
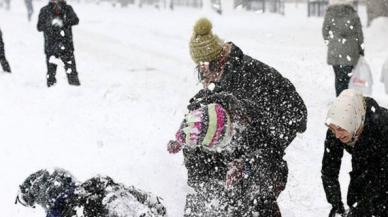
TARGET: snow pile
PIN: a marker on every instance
(377, 35)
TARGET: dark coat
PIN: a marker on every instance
(57, 40)
(275, 112)
(368, 186)
(343, 31)
(1, 45)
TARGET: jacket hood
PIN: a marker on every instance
(233, 60)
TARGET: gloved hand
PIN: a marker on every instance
(57, 22)
(337, 210)
(173, 147)
(235, 172)
(195, 102)
(232, 104)
(362, 52)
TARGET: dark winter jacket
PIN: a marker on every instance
(275, 112)
(368, 186)
(343, 31)
(57, 40)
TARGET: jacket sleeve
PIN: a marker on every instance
(360, 35)
(383, 119)
(326, 26)
(42, 21)
(70, 18)
(331, 165)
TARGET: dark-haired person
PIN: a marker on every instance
(56, 21)
(342, 31)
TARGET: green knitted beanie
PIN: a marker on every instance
(204, 46)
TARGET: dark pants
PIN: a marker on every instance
(342, 77)
(30, 9)
(212, 199)
(254, 196)
(70, 68)
(3, 61)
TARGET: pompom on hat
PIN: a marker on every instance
(204, 45)
(209, 126)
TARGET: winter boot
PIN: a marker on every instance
(72, 78)
(51, 80)
(5, 65)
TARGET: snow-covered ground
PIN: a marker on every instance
(137, 77)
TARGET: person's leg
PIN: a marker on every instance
(70, 68)
(267, 181)
(3, 61)
(209, 199)
(51, 71)
(261, 206)
(342, 77)
(194, 205)
(4, 64)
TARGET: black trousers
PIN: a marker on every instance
(342, 77)
(30, 9)
(3, 61)
(70, 68)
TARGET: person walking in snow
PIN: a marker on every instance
(342, 32)
(60, 195)
(3, 61)
(359, 126)
(7, 4)
(55, 21)
(247, 179)
(30, 8)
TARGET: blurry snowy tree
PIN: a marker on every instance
(318, 7)
(273, 6)
(376, 8)
(188, 3)
(6, 3)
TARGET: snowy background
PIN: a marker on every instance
(137, 76)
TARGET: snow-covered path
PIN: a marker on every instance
(137, 76)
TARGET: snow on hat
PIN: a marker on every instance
(204, 45)
(338, 2)
(209, 126)
(348, 111)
